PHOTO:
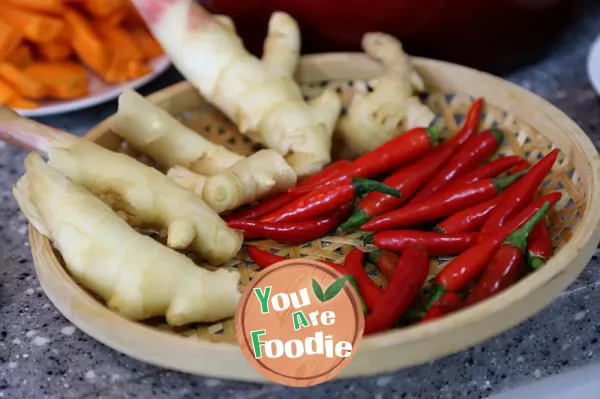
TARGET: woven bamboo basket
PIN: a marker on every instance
(532, 126)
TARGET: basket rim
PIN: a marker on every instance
(313, 65)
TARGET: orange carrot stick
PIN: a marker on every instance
(56, 50)
(35, 26)
(64, 80)
(20, 56)
(120, 42)
(21, 82)
(51, 6)
(6, 93)
(113, 19)
(101, 8)
(146, 42)
(137, 69)
(9, 39)
(21, 103)
(117, 71)
(86, 43)
(134, 19)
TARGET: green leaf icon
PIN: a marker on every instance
(336, 287)
(318, 290)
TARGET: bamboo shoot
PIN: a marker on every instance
(136, 276)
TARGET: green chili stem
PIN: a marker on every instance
(500, 183)
(364, 186)
(358, 218)
(536, 262)
(437, 291)
(498, 135)
(434, 133)
(518, 238)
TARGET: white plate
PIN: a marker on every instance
(593, 65)
(99, 92)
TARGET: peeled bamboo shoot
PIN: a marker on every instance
(261, 174)
(153, 131)
(213, 58)
(136, 276)
(282, 46)
(148, 197)
(186, 178)
(391, 108)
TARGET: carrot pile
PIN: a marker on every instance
(48, 46)
(417, 196)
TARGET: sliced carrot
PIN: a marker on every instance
(117, 71)
(52, 6)
(57, 50)
(113, 19)
(21, 103)
(20, 56)
(86, 43)
(137, 69)
(146, 42)
(21, 81)
(35, 26)
(6, 93)
(134, 18)
(64, 80)
(9, 39)
(102, 8)
(120, 42)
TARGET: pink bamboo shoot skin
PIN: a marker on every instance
(259, 99)
(149, 198)
(136, 276)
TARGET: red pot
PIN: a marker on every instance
(486, 34)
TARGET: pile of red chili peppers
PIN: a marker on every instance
(418, 197)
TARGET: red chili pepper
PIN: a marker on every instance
(475, 151)
(370, 292)
(272, 204)
(444, 203)
(330, 171)
(489, 170)
(262, 208)
(265, 259)
(470, 127)
(434, 243)
(507, 264)
(262, 258)
(386, 262)
(467, 266)
(448, 303)
(520, 194)
(291, 232)
(521, 166)
(390, 155)
(539, 247)
(470, 219)
(407, 181)
(409, 276)
(327, 200)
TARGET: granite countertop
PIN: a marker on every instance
(43, 355)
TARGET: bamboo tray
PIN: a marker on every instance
(532, 128)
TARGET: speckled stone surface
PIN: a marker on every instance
(43, 355)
